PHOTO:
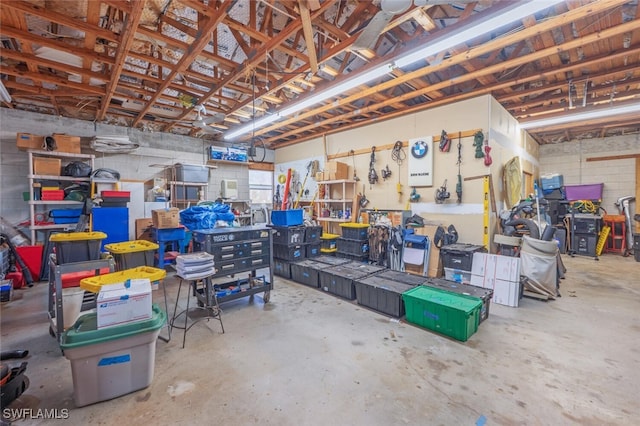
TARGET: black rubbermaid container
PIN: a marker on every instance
(312, 234)
(288, 235)
(402, 277)
(381, 294)
(306, 272)
(459, 256)
(286, 252)
(282, 268)
(331, 260)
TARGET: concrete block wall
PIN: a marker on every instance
(155, 149)
(570, 160)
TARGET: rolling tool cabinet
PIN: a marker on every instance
(236, 250)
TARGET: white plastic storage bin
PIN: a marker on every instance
(112, 361)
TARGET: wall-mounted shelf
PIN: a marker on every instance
(237, 163)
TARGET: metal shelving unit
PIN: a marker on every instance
(34, 209)
(183, 202)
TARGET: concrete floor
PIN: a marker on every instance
(309, 358)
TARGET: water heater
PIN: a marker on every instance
(229, 188)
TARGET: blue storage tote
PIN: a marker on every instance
(286, 217)
(62, 216)
(551, 181)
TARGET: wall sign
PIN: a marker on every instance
(421, 161)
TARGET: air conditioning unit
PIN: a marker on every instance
(229, 188)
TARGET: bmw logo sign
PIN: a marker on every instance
(419, 149)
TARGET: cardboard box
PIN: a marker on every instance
(507, 268)
(26, 141)
(124, 302)
(66, 143)
(47, 166)
(143, 229)
(336, 170)
(156, 182)
(414, 269)
(166, 218)
(506, 293)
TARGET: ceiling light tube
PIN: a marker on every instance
(338, 89)
(514, 12)
(517, 11)
(582, 116)
(4, 93)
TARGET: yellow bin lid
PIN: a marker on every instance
(354, 225)
(329, 236)
(94, 284)
(130, 247)
(77, 236)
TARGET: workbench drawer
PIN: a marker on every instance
(210, 238)
(238, 265)
(229, 251)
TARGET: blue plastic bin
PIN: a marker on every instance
(286, 217)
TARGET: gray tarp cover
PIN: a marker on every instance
(539, 264)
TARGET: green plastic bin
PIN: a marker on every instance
(131, 254)
(112, 361)
(77, 246)
(454, 315)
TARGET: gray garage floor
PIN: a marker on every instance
(308, 358)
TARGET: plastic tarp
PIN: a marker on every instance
(539, 264)
(205, 216)
(513, 181)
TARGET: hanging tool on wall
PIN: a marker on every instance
(442, 194)
(398, 155)
(459, 184)
(310, 168)
(373, 175)
(478, 142)
(445, 142)
(386, 173)
(363, 198)
(352, 153)
(414, 197)
(487, 149)
(277, 200)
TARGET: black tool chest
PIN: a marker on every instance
(235, 250)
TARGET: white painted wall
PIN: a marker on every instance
(478, 113)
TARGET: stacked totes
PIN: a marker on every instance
(354, 243)
(195, 265)
(288, 243)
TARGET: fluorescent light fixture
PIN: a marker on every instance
(4, 93)
(582, 116)
(340, 88)
(516, 11)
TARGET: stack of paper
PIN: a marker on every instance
(194, 266)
